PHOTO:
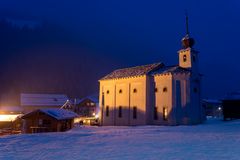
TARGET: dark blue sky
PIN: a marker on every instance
(129, 33)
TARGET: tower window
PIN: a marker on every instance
(134, 90)
(120, 111)
(165, 89)
(134, 112)
(165, 113)
(184, 58)
(108, 92)
(107, 111)
(155, 113)
(156, 90)
(120, 91)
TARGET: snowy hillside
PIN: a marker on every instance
(212, 140)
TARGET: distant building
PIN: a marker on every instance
(212, 107)
(48, 120)
(154, 93)
(231, 106)
(88, 106)
(30, 102)
(87, 109)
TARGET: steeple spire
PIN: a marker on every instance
(187, 29)
(187, 41)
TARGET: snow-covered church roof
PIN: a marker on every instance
(150, 69)
(133, 71)
(170, 69)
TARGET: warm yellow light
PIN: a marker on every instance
(94, 114)
(6, 117)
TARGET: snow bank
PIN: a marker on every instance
(213, 140)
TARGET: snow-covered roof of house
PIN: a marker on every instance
(213, 101)
(233, 96)
(59, 114)
(93, 98)
(133, 71)
(43, 99)
(170, 69)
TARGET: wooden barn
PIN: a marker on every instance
(231, 106)
(48, 120)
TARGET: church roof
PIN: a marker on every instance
(133, 71)
(170, 69)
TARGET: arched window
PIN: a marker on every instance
(108, 92)
(156, 90)
(134, 90)
(107, 111)
(120, 111)
(134, 112)
(120, 91)
(184, 58)
(165, 113)
(165, 89)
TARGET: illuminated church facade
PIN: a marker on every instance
(154, 93)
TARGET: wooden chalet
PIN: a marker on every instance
(48, 120)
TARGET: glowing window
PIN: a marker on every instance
(165, 113)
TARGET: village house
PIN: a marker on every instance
(48, 120)
(212, 107)
(87, 106)
(231, 106)
(30, 102)
(154, 93)
(87, 109)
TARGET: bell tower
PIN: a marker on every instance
(188, 57)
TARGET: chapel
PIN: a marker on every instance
(154, 94)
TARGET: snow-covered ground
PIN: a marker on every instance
(213, 140)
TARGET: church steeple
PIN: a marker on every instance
(186, 40)
(188, 57)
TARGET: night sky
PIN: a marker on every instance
(66, 46)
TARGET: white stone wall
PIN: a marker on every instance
(163, 98)
(133, 94)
